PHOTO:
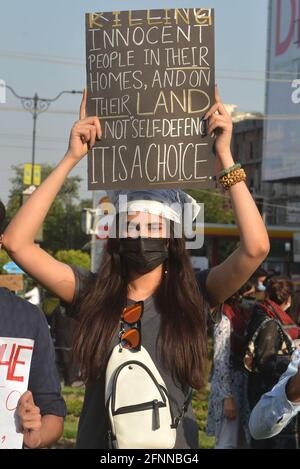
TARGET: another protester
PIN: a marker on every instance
(274, 346)
(41, 409)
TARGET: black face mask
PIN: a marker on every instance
(143, 254)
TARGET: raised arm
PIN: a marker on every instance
(18, 239)
(226, 278)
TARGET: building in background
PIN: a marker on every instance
(247, 149)
(268, 146)
(278, 202)
(281, 136)
(281, 146)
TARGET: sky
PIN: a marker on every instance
(42, 50)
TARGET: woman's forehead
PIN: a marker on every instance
(144, 218)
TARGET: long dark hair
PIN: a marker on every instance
(182, 339)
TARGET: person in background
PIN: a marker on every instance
(273, 349)
(277, 408)
(41, 409)
(294, 310)
(62, 328)
(248, 297)
(260, 277)
(228, 409)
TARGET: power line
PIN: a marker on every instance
(49, 111)
(29, 137)
(29, 148)
(42, 58)
(270, 117)
(36, 105)
(274, 117)
(263, 72)
(80, 166)
(244, 78)
(77, 62)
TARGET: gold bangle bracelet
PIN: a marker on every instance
(232, 178)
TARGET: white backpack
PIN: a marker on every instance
(137, 403)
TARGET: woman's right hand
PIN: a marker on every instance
(84, 133)
(229, 408)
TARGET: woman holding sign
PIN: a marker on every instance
(145, 299)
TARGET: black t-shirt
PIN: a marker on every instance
(92, 428)
(20, 319)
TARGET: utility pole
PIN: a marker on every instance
(36, 105)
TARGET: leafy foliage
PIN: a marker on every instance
(62, 227)
(216, 209)
(74, 257)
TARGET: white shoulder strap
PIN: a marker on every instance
(120, 356)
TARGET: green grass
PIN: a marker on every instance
(200, 406)
(74, 401)
(78, 392)
(70, 430)
(206, 442)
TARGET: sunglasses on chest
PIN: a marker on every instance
(130, 326)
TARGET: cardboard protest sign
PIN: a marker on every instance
(15, 361)
(150, 79)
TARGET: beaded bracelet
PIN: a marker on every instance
(232, 178)
(229, 170)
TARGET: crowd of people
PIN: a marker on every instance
(253, 346)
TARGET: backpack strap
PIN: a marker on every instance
(282, 328)
(260, 327)
(249, 353)
(184, 409)
(285, 338)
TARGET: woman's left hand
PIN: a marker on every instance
(229, 408)
(220, 122)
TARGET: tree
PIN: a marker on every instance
(73, 257)
(62, 226)
(215, 208)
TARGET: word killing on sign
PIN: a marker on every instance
(201, 16)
